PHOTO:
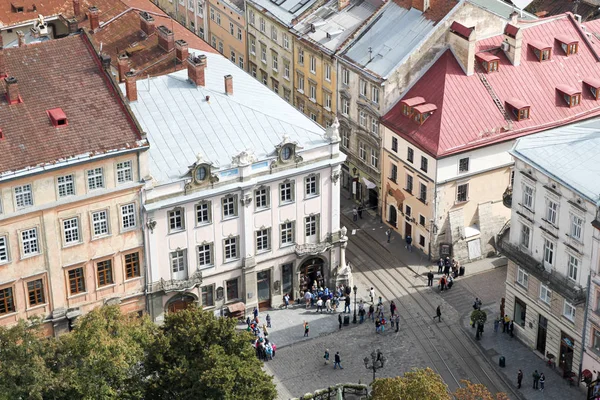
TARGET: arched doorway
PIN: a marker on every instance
(311, 273)
(181, 302)
(393, 216)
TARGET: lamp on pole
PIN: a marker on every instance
(376, 362)
(355, 289)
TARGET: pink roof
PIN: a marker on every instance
(425, 108)
(568, 89)
(413, 101)
(511, 30)
(566, 39)
(487, 56)
(461, 29)
(594, 82)
(517, 103)
(467, 116)
(539, 44)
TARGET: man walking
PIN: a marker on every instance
(337, 361)
(389, 234)
(519, 379)
(397, 321)
(286, 300)
(438, 313)
(409, 243)
(441, 266)
(430, 278)
(372, 294)
(326, 356)
(542, 381)
(361, 208)
(392, 308)
(340, 320)
(536, 378)
(306, 329)
(354, 214)
(347, 306)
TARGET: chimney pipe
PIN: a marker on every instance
(21, 37)
(181, 50)
(166, 40)
(228, 85)
(147, 23)
(73, 25)
(123, 66)
(76, 8)
(421, 5)
(462, 41)
(105, 60)
(12, 90)
(196, 66)
(513, 37)
(342, 4)
(2, 67)
(130, 86)
(94, 16)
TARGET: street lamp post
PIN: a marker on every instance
(376, 363)
(355, 289)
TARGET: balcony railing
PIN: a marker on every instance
(556, 281)
(177, 285)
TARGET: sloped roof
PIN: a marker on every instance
(181, 123)
(49, 8)
(284, 10)
(47, 74)
(467, 116)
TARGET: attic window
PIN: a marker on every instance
(571, 95)
(569, 46)
(519, 109)
(57, 117)
(17, 7)
(422, 112)
(594, 86)
(1, 134)
(542, 51)
(488, 61)
(408, 104)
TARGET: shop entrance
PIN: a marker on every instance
(393, 220)
(263, 284)
(541, 335)
(311, 273)
(180, 303)
(566, 352)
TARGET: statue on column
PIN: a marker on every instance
(344, 274)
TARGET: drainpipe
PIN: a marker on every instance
(585, 316)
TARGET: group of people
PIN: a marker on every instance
(357, 212)
(337, 360)
(450, 270)
(265, 349)
(539, 379)
(326, 299)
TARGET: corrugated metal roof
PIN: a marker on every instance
(286, 10)
(570, 154)
(180, 123)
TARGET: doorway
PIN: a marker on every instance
(566, 352)
(373, 199)
(311, 274)
(263, 284)
(180, 303)
(474, 247)
(541, 334)
(407, 229)
(287, 279)
(393, 217)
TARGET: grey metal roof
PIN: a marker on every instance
(501, 8)
(181, 123)
(392, 36)
(330, 27)
(285, 10)
(570, 154)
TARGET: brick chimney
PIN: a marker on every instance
(166, 40)
(196, 66)
(21, 38)
(76, 8)
(94, 15)
(130, 86)
(228, 84)
(123, 66)
(181, 50)
(147, 23)
(73, 24)
(462, 42)
(12, 90)
(513, 41)
(421, 5)
(342, 4)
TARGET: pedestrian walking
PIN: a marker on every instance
(255, 312)
(326, 356)
(354, 214)
(347, 306)
(430, 278)
(268, 321)
(265, 331)
(328, 305)
(371, 312)
(372, 294)
(511, 328)
(409, 243)
(361, 208)
(337, 361)
(306, 328)
(519, 379)
(397, 321)
(340, 320)
(361, 311)
(307, 298)
(505, 324)
(383, 322)
(388, 233)
(477, 304)
(320, 305)
(536, 378)
(377, 325)
(542, 381)
(392, 308)
(441, 265)
(286, 300)
(438, 313)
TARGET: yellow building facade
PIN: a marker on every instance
(227, 30)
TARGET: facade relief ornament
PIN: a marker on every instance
(332, 133)
(246, 200)
(287, 152)
(201, 173)
(335, 176)
(178, 285)
(246, 157)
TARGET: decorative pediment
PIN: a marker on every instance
(286, 152)
(246, 157)
(201, 172)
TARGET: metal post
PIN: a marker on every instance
(355, 290)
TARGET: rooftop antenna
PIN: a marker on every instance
(370, 54)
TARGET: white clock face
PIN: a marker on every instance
(200, 174)
(286, 153)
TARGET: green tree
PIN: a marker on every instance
(476, 391)
(199, 356)
(478, 317)
(417, 384)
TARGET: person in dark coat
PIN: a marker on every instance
(441, 265)
(438, 313)
(340, 320)
(519, 379)
(337, 361)
(430, 278)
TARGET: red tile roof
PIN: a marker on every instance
(467, 115)
(49, 8)
(62, 73)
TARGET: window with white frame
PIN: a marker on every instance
(262, 240)
(205, 255)
(219, 18)
(262, 25)
(95, 178)
(569, 310)
(273, 33)
(128, 220)
(310, 225)
(203, 213)
(522, 277)
(300, 82)
(345, 138)
(551, 211)
(231, 28)
(545, 294)
(239, 34)
(528, 197)
(287, 233)
(252, 46)
(23, 196)
(525, 236)
(275, 61)
(29, 242)
(573, 267)
(263, 53)
(286, 69)
(311, 185)
(345, 106)
(230, 248)
(301, 56)
(374, 126)
(229, 205)
(362, 152)
(71, 230)
(312, 92)
(4, 249)
(178, 261)
(328, 72)
(286, 192)
(576, 227)
(124, 172)
(345, 76)
(549, 252)
(375, 158)
(362, 87)
(286, 41)
(422, 192)
(313, 64)
(462, 193)
(409, 183)
(66, 185)
(100, 223)
(327, 102)
(374, 94)
(176, 220)
(250, 17)
(362, 118)
(261, 198)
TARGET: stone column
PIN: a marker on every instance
(249, 282)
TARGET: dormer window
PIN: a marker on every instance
(17, 7)
(422, 112)
(570, 95)
(569, 45)
(489, 62)
(519, 108)
(593, 85)
(58, 117)
(542, 51)
(408, 104)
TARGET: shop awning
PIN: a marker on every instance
(236, 307)
(369, 184)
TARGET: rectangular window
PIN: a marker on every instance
(71, 230)
(423, 164)
(232, 289)
(375, 158)
(95, 178)
(239, 34)
(205, 255)
(300, 56)
(275, 63)
(462, 193)
(300, 82)
(313, 65)
(132, 265)
(23, 196)
(545, 294)
(362, 88)
(286, 191)
(573, 267)
(525, 236)
(312, 92)
(362, 152)
(345, 106)
(250, 16)
(263, 53)
(421, 240)
(421, 220)
(29, 240)
(124, 172)
(252, 46)
(463, 165)
(374, 94)
(394, 173)
(410, 155)
(286, 70)
(422, 192)
(128, 220)
(3, 249)
(287, 233)
(311, 185)
(551, 212)
(345, 139)
(203, 213)
(76, 281)
(286, 41)
(212, 14)
(231, 28)
(208, 296)
(409, 183)
(528, 197)
(262, 240)
(176, 221)
(100, 223)
(229, 206)
(105, 273)
(328, 72)
(394, 145)
(7, 301)
(230, 246)
(327, 102)
(569, 311)
(66, 185)
(261, 198)
(219, 18)
(548, 252)
(35, 292)
(374, 126)
(345, 76)
(408, 210)
(232, 56)
(178, 261)
(522, 277)
(241, 62)
(310, 226)
(576, 227)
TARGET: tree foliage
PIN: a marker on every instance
(476, 391)
(478, 317)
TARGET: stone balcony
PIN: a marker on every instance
(177, 285)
